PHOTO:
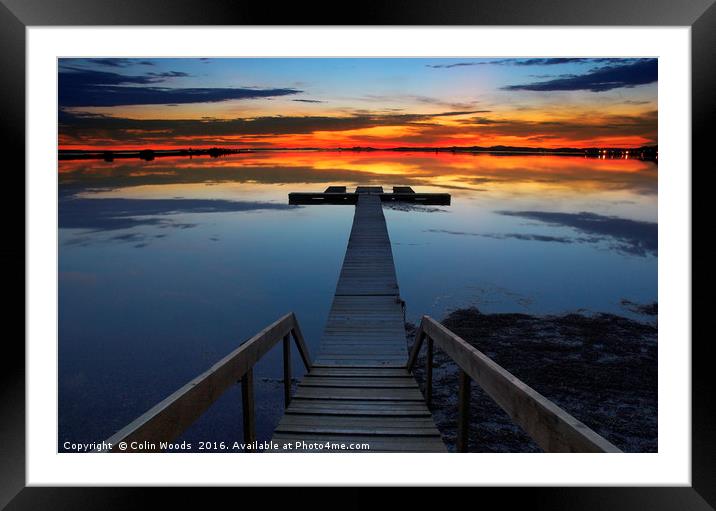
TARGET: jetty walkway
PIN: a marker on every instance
(359, 393)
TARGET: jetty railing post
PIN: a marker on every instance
(287, 369)
(413, 357)
(300, 342)
(429, 372)
(247, 401)
(463, 420)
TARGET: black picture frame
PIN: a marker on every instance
(17, 15)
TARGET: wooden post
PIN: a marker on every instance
(429, 372)
(463, 420)
(300, 343)
(287, 369)
(247, 400)
(413, 357)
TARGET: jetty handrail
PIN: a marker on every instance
(550, 426)
(168, 419)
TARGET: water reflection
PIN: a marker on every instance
(107, 214)
(222, 255)
(459, 172)
(631, 236)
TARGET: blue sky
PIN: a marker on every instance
(337, 102)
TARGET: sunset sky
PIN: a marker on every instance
(331, 103)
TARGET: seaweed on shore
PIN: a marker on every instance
(601, 368)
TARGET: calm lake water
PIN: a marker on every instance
(166, 266)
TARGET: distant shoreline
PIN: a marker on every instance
(649, 153)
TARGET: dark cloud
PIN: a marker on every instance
(111, 62)
(114, 214)
(587, 127)
(456, 64)
(631, 236)
(82, 88)
(552, 76)
(81, 78)
(426, 100)
(81, 127)
(169, 74)
(308, 100)
(457, 112)
(580, 128)
(556, 61)
(601, 79)
(484, 120)
(532, 62)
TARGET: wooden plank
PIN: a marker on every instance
(369, 189)
(361, 411)
(387, 405)
(376, 344)
(551, 427)
(359, 352)
(364, 361)
(377, 356)
(406, 394)
(373, 345)
(372, 381)
(367, 360)
(357, 371)
(389, 341)
(351, 366)
(361, 422)
(345, 425)
(321, 428)
(339, 362)
(327, 353)
(357, 407)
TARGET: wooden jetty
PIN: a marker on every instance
(338, 195)
(358, 390)
(359, 395)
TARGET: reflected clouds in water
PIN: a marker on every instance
(623, 235)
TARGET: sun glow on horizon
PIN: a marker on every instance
(126, 104)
